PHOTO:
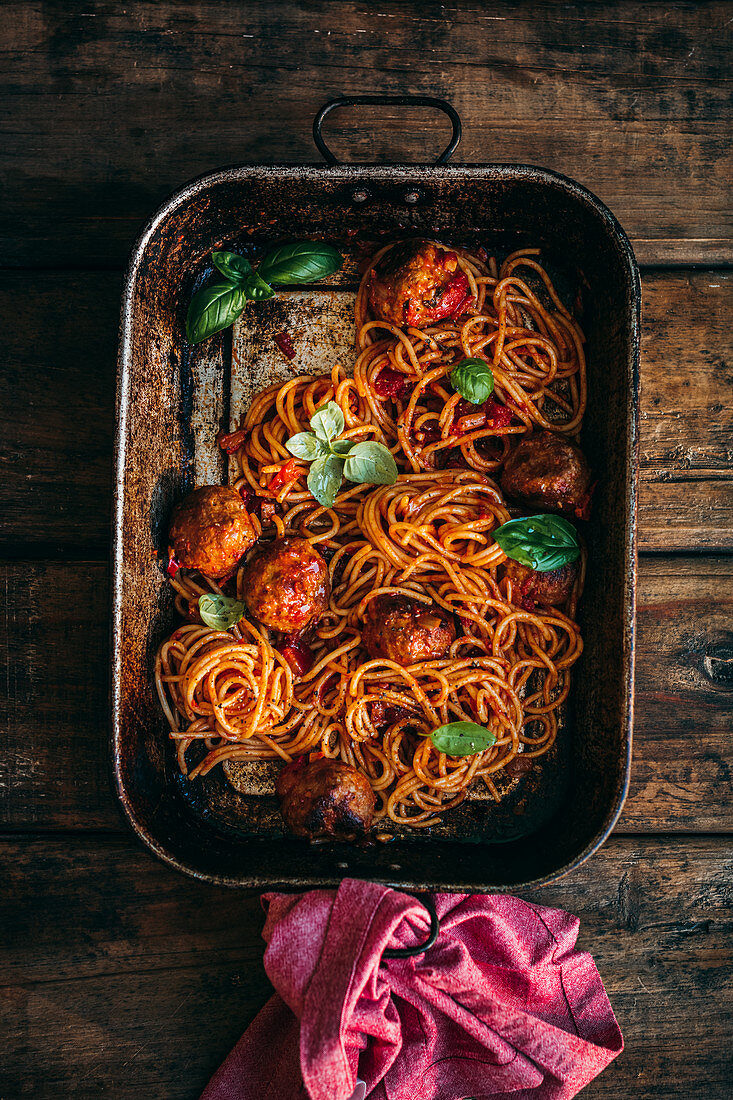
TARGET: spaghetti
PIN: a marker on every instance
(230, 695)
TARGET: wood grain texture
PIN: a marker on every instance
(122, 978)
(57, 394)
(53, 763)
(106, 110)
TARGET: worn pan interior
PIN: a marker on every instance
(171, 402)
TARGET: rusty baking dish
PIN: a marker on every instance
(172, 399)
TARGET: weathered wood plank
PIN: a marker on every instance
(53, 764)
(121, 977)
(57, 412)
(108, 109)
(686, 454)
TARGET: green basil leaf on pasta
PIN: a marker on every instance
(324, 479)
(301, 262)
(328, 422)
(212, 309)
(473, 379)
(462, 738)
(342, 446)
(233, 267)
(370, 463)
(542, 542)
(306, 445)
(220, 612)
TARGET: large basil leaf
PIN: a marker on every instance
(306, 445)
(542, 542)
(212, 309)
(302, 262)
(220, 612)
(233, 267)
(324, 479)
(328, 422)
(462, 738)
(473, 379)
(370, 463)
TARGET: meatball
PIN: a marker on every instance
(405, 631)
(416, 283)
(286, 585)
(325, 798)
(547, 471)
(211, 529)
(533, 587)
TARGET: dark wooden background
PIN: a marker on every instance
(119, 977)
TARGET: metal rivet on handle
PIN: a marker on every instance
(412, 196)
(360, 195)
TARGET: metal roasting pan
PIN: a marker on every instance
(171, 401)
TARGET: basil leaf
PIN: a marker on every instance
(256, 288)
(306, 445)
(220, 612)
(542, 542)
(462, 738)
(302, 262)
(233, 267)
(370, 463)
(324, 479)
(473, 379)
(341, 446)
(212, 309)
(328, 422)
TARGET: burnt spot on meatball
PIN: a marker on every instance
(548, 471)
(405, 631)
(325, 798)
(530, 587)
(416, 283)
(285, 585)
(211, 530)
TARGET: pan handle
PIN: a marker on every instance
(388, 100)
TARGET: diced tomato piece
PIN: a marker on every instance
(453, 298)
(172, 567)
(287, 473)
(231, 441)
(392, 383)
(471, 418)
(497, 415)
(298, 656)
(285, 344)
(386, 714)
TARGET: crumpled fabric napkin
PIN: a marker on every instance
(501, 1004)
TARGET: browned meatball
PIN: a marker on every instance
(547, 471)
(531, 587)
(405, 631)
(286, 585)
(325, 798)
(416, 283)
(211, 529)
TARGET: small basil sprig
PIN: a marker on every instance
(542, 542)
(215, 307)
(332, 459)
(473, 379)
(220, 612)
(462, 738)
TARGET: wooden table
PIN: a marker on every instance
(121, 978)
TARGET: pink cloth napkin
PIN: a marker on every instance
(502, 1003)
